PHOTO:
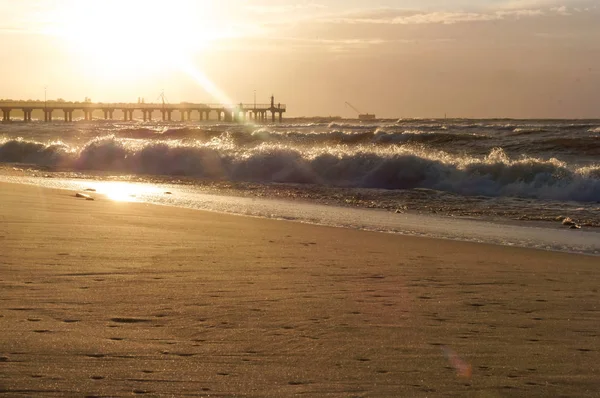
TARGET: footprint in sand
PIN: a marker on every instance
(95, 355)
(129, 320)
(297, 383)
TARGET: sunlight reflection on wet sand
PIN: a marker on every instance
(124, 191)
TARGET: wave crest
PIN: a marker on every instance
(362, 166)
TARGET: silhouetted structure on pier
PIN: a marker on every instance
(229, 113)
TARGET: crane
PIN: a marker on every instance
(162, 97)
(361, 116)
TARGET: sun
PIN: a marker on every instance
(136, 39)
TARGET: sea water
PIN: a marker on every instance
(498, 181)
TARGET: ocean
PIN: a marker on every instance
(539, 180)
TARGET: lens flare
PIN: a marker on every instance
(462, 368)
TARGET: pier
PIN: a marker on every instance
(185, 111)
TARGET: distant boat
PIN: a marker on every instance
(366, 116)
(361, 116)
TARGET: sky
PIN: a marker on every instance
(394, 58)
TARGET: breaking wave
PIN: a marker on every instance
(424, 137)
(172, 133)
(527, 131)
(380, 136)
(358, 166)
(353, 126)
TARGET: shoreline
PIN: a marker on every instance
(114, 298)
(508, 233)
(323, 195)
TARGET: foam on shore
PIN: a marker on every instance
(529, 236)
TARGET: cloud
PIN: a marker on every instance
(561, 10)
(404, 17)
(289, 44)
(521, 4)
(9, 30)
(283, 8)
(554, 4)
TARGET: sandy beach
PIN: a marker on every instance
(103, 298)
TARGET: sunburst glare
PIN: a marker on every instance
(134, 39)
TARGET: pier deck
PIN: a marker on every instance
(226, 112)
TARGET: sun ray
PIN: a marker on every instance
(206, 83)
(216, 93)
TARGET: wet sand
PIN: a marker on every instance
(103, 298)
